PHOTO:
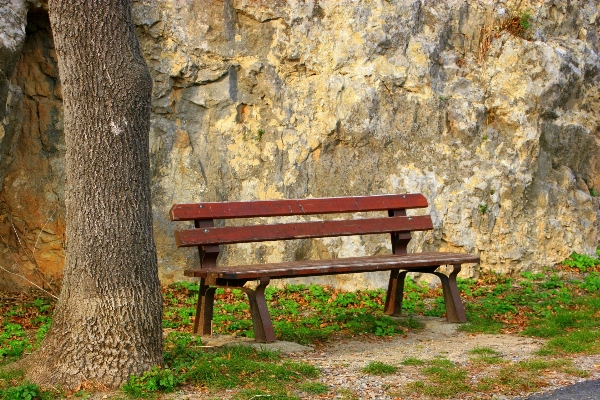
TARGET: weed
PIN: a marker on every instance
(591, 283)
(524, 23)
(525, 375)
(13, 340)
(313, 387)
(594, 192)
(346, 394)
(260, 394)
(485, 355)
(583, 262)
(186, 362)
(26, 391)
(254, 136)
(484, 351)
(483, 208)
(379, 368)
(445, 379)
(304, 314)
(157, 379)
(578, 342)
(515, 23)
(412, 361)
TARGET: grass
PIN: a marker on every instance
(443, 379)
(413, 361)
(231, 367)
(13, 386)
(313, 388)
(560, 305)
(485, 355)
(526, 376)
(379, 368)
(302, 314)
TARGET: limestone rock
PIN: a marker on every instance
(497, 125)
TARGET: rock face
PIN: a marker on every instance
(488, 108)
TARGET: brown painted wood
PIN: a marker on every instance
(400, 240)
(419, 262)
(300, 230)
(272, 208)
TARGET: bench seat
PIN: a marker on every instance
(210, 234)
(411, 261)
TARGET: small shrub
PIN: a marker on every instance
(26, 391)
(583, 262)
(157, 379)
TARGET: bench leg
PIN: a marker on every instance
(395, 293)
(261, 320)
(455, 312)
(204, 309)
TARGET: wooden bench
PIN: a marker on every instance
(207, 237)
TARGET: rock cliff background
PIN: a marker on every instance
(489, 108)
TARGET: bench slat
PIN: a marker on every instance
(335, 266)
(300, 230)
(272, 208)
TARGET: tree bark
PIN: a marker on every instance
(107, 323)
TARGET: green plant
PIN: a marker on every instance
(583, 262)
(186, 362)
(484, 351)
(591, 283)
(445, 379)
(485, 355)
(525, 20)
(483, 208)
(258, 136)
(594, 192)
(386, 327)
(25, 391)
(412, 361)
(157, 379)
(379, 368)
(13, 340)
(346, 394)
(516, 23)
(313, 387)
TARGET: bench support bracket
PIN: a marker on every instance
(204, 309)
(261, 319)
(455, 312)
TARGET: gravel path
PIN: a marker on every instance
(341, 361)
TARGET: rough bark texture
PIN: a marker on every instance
(107, 323)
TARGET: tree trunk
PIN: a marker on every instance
(107, 323)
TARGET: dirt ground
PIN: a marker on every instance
(341, 361)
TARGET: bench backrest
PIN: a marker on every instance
(208, 237)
